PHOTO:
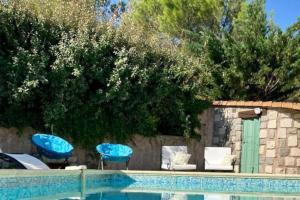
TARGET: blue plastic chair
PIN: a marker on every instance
(52, 147)
(114, 153)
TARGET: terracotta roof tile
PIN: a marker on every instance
(240, 103)
(296, 106)
(217, 103)
(267, 103)
(289, 105)
(231, 103)
(248, 103)
(277, 105)
(257, 103)
(224, 102)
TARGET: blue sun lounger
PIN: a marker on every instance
(114, 153)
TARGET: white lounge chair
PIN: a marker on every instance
(26, 161)
(218, 158)
(23, 161)
(169, 152)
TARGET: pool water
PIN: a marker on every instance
(120, 185)
(176, 196)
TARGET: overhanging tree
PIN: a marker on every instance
(89, 79)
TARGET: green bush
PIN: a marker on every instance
(91, 82)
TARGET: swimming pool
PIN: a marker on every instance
(135, 185)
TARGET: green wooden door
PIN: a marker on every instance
(250, 146)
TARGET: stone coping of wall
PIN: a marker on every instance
(59, 172)
(272, 104)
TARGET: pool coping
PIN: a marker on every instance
(58, 172)
(203, 174)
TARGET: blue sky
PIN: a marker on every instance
(285, 12)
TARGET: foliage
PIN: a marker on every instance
(64, 13)
(91, 80)
(292, 59)
(247, 55)
(252, 58)
(180, 18)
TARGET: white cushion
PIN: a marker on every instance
(218, 167)
(216, 197)
(216, 154)
(169, 151)
(179, 167)
(180, 158)
(76, 167)
(171, 196)
(228, 159)
(165, 166)
(183, 167)
(218, 158)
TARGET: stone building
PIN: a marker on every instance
(262, 135)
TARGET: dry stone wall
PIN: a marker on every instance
(227, 131)
(279, 150)
(280, 142)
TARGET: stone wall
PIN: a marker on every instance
(279, 150)
(227, 131)
(207, 126)
(280, 142)
(147, 150)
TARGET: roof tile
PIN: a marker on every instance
(240, 103)
(248, 103)
(217, 103)
(267, 103)
(277, 105)
(257, 103)
(296, 106)
(231, 103)
(288, 105)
